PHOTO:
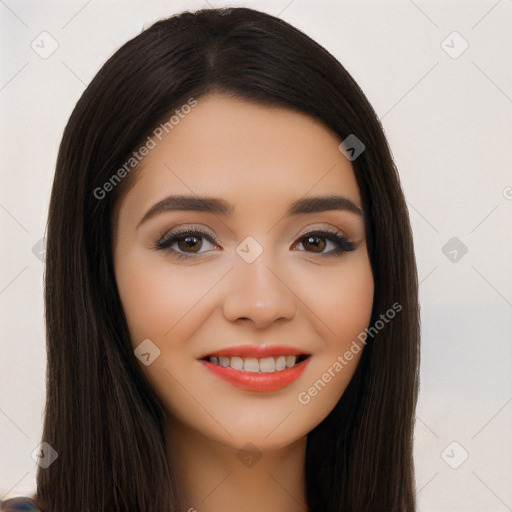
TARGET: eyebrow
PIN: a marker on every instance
(222, 207)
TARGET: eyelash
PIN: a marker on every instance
(165, 243)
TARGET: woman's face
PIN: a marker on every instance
(261, 278)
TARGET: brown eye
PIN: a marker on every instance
(314, 243)
(187, 243)
(191, 242)
(317, 242)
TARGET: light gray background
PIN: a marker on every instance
(449, 124)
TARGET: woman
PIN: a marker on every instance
(231, 292)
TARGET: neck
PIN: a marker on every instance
(213, 476)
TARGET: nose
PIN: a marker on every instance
(258, 292)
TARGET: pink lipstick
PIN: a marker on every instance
(257, 367)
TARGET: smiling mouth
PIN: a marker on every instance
(270, 373)
(271, 364)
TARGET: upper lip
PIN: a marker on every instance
(256, 351)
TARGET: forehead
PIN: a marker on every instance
(244, 152)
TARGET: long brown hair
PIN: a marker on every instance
(101, 415)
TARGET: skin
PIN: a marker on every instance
(259, 159)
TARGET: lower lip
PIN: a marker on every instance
(257, 381)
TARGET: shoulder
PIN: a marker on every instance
(19, 504)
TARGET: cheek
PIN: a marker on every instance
(351, 312)
(339, 302)
(157, 299)
(342, 305)
(145, 301)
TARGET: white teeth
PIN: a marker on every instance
(251, 364)
(237, 363)
(280, 363)
(267, 365)
(290, 361)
